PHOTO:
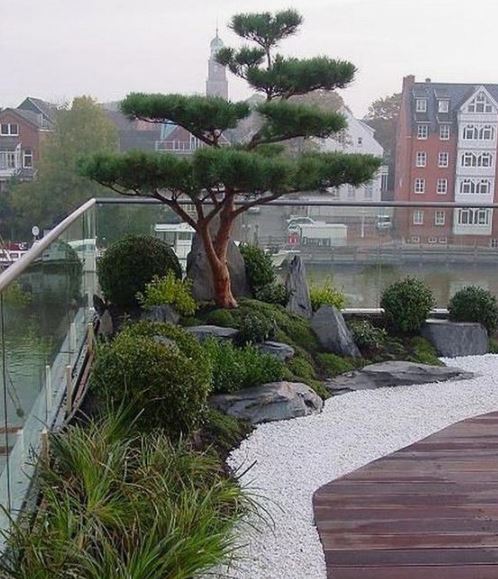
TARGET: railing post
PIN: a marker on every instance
(69, 390)
(90, 336)
(72, 338)
(20, 442)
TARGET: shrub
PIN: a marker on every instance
(255, 328)
(169, 290)
(366, 335)
(259, 266)
(236, 368)
(166, 382)
(474, 304)
(334, 365)
(120, 505)
(301, 368)
(407, 303)
(273, 293)
(129, 264)
(325, 294)
(223, 318)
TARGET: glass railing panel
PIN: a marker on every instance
(44, 317)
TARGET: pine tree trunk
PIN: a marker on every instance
(217, 258)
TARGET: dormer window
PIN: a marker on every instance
(480, 104)
(443, 106)
(421, 106)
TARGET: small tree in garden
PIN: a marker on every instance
(221, 182)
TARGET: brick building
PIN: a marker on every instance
(22, 131)
(446, 152)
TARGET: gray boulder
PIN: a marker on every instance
(162, 313)
(199, 272)
(204, 332)
(277, 349)
(269, 402)
(334, 335)
(297, 286)
(106, 325)
(453, 339)
(396, 373)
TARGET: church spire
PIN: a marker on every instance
(216, 84)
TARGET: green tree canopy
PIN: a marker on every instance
(255, 172)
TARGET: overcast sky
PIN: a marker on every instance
(58, 49)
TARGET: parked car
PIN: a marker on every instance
(384, 222)
(293, 223)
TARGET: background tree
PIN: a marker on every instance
(383, 116)
(217, 178)
(79, 130)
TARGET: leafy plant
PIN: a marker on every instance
(421, 350)
(16, 297)
(325, 294)
(116, 504)
(273, 293)
(334, 365)
(130, 264)
(407, 303)
(158, 369)
(237, 368)
(255, 328)
(259, 266)
(169, 290)
(474, 304)
(223, 318)
(367, 336)
(301, 368)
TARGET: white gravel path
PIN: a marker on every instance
(296, 457)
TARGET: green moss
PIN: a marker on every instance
(301, 368)
(222, 318)
(333, 365)
(223, 432)
(319, 388)
(421, 350)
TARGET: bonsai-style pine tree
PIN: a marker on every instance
(223, 181)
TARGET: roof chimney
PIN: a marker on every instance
(427, 80)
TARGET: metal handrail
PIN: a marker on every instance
(22, 264)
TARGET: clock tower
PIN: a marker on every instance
(216, 84)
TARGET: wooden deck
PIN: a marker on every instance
(428, 511)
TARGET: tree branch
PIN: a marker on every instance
(260, 201)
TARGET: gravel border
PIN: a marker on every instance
(296, 457)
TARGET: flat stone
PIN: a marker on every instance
(162, 313)
(296, 284)
(269, 402)
(199, 271)
(452, 339)
(277, 349)
(204, 332)
(334, 335)
(395, 373)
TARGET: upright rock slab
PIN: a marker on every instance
(395, 373)
(164, 313)
(297, 286)
(199, 272)
(269, 402)
(452, 339)
(220, 333)
(334, 335)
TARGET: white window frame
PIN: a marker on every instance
(418, 217)
(27, 154)
(444, 132)
(442, 186)
(474, 216)
(421, 105)
(10, 131)
(422, 132)
(419, 186)
(443, 155)
(439, 218)
(443, 106)
(480, 104)
(421, 159)
(487, 133)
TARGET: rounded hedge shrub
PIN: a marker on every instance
(255, 328)
(160, 371)
(131, 263)
(407, 303)
(474, 304)
(259, 266)
(273, 293)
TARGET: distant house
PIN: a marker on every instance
(22, 131)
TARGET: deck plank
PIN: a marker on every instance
(429, 510)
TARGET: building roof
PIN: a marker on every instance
(39, 106)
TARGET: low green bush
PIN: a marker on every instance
(129, 264)
(325, 294)
(422, 351)
(117, 504)
(169, 290)
(273, 293)
(255, 328)
(333, 365)
(367, 336)
(407, 303)
(237, 368)
(301, 368)
(474, 304)
(223, 318)
(259, 266)
(166, 382)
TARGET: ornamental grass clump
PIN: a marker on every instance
(325, 294)
(406, 304)
(474, 304)
(169, 290)
(119, 504)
